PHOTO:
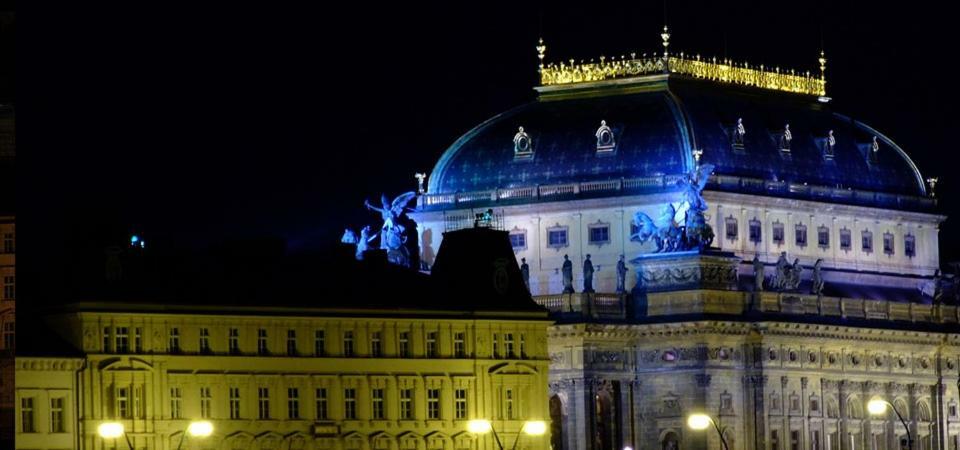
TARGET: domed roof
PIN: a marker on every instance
(655, 125)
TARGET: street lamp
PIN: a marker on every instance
(530, 427)
(702, 422)
(113, 430)
(197, 428)
(878, 406)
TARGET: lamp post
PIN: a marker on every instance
(702, 422)
(113, 430)
(530, 427)
(879, 406)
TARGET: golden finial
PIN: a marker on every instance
(541, 50)
(823, 64)
(666, 40)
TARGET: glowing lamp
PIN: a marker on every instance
(479, 426)
(110, 430)
(876, 407)
(535, 427)
(200, 428)
(698, 421)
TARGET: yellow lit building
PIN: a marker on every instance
(351, 371)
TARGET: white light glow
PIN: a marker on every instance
(110, 430)
(698, 421)
(200, 429)
(479, 426)
(876, 407)
(535, 427)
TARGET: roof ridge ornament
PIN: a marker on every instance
(541, 52)
(666, 41)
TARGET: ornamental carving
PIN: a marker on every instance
(606, 357)
(829, 384)
(556, 358)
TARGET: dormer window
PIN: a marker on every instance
(786, 139)
(910, 245)
(829, 143)
(522, 144)
(606, 142)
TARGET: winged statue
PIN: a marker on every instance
(393, 234)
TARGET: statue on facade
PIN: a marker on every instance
(567, 270)
(394, 232)
(349, 237)
(697, 234)
(788, 275)
(817, 287)
(587, 275)
(665, 231)
(758, 275)
(621, 275)
(786, 139)
(363, 242)
(525, 273)
(738, 133)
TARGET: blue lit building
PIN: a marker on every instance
(782, 366)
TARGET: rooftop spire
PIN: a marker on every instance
(666, 40)
(823, 64)
(541, 49)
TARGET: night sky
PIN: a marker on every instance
(196, 125)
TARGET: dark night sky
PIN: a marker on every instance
(196, 125)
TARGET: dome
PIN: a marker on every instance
(653, 126)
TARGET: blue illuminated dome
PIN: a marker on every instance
(655, 125)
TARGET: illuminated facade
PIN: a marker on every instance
(781, 367)
(377, 363)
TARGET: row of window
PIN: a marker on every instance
(118, 340)
(9, 288)
(599, 234)
(295, 400)
(56, 417)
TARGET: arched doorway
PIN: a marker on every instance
(670, 441)
(556, 422)
(605, 421)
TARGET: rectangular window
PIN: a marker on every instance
(8, 243)
(518, 240)
(138, 402)
(27, 424)
(404, 344)
(460, 403)
(756, 231)
(496, 346)
(910, 246)
(508, 404)
(887, 243)
(508, 345)
(9, 288)
(459, 344)
(557, 237)
(800, 231)
(205, 340)
(523, 346)
(122, 340)
(122, 406)
(319, 343)
(138, 340)
(599, 234)
(775, 439)
(176, 403)
(433, 404)
(234, 403)
(9, 335)
(432, 344)
(376, 347)
(174, 343)
(823, 237)
(731, 228)
(106, 340)
(376, 399)
(262, 348)
(263, 403)
(205, 402)
(350, 404)
(293, 403)
(815, 440)
(348, 343)
(406, 404)
(322, 410)
(794, 440)
(845, 240)
(56, 415)
(778, 235)
(234, 341)
(292, 342)
(866, 241)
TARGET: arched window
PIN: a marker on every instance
(670, 441)
(556, 423)
(854, 408)
(833, 412)
(923, 411)
(605, 423)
